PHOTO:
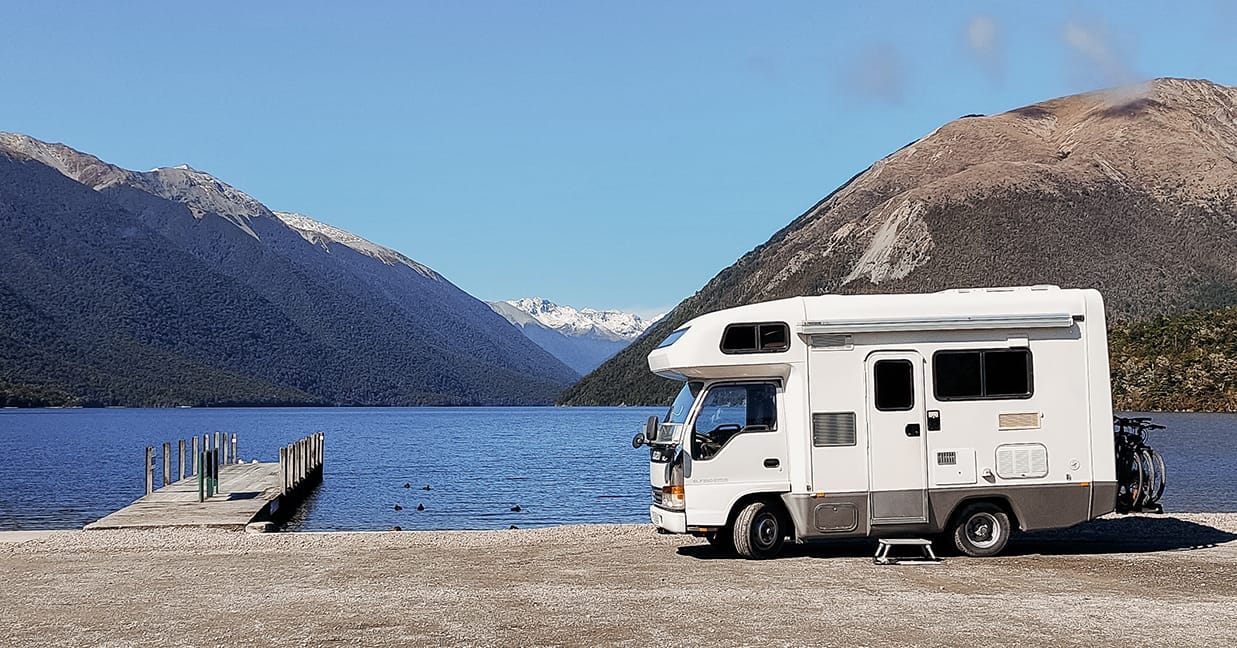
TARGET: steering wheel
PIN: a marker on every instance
(712, 442)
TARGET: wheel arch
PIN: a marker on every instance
(772, 497)
(1001, 501)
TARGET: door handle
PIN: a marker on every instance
(912, 429)
(772, 463)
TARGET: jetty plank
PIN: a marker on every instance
(245, 491)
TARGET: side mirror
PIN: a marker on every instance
(650, 428)
(637, 440)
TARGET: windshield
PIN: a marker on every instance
(683, 403)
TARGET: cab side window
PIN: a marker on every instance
(729, 410)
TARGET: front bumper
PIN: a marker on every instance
(672, 521)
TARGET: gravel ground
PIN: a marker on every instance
(1133, 581)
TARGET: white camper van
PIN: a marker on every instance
(962, 412)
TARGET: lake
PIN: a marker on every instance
(65, 468)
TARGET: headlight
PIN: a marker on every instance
(672, 497)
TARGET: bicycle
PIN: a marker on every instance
(1141, 472)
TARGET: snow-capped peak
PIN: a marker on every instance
(609, 324)
(81, 167)
(319, 233)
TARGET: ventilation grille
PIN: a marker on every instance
(1020, 421)
(833, 429)
(829, 341)
(1021, 461)
(946, 458)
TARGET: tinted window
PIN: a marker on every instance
(773, 337)
(957, 374)
(894, 385)
(984, 373)
(1007, 373)
(738, 339)
(769, 337)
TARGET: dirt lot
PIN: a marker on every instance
(1152, 581)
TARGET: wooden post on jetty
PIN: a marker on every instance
(233, 455)
(301, 461)
(195, 455)
(150, 470)
(180, 451)
(167, 463)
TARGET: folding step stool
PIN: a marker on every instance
(882, 556)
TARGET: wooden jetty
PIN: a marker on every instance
(245, 493)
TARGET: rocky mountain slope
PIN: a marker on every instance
(582, 339)
(171, 287)
(1130, 191)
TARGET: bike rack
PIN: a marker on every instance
(1141, 472)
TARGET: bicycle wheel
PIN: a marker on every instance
(1147, 468)
(1129, 487)
(1161, 477)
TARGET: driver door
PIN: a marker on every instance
(737, 447)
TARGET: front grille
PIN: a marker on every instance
(657, 496)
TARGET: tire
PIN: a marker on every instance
(1130, 494)
(981, 530)
(759, 531)
(1147, 489)
(1161, 477)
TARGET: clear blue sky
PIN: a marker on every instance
(605, 154)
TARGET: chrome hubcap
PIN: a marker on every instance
(983, 530)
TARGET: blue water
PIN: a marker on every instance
(65, 468)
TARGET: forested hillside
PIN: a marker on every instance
(170, 287)
(1183, 362)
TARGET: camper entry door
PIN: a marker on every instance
(897, 466)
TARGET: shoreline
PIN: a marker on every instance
(615, 585)
(19, 535)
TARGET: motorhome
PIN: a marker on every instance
(963, 413)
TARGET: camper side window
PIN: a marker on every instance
(894, 385)
(766, 337)
(982, 374)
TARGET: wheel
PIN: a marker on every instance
(981, 530)
(1153, 477)
(1147, 489)
(721, 540)
(1161, 477)
(1129, 495)
(759, 531)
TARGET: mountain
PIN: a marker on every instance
(1131, 191)
(582, 339)
(169, 286)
